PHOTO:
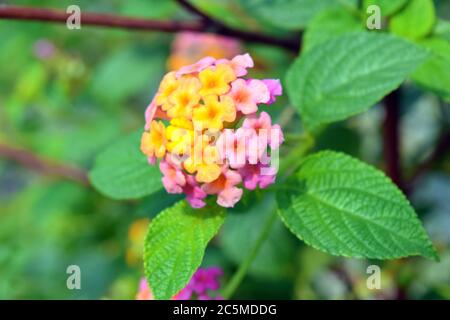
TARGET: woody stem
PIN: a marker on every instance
(24, 13)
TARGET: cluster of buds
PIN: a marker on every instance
(202, 286)
(189, 47)
(203, 126)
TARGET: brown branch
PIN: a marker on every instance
(96, 19)
(191, 8)
(114, 21)
(222, 29)
(391, 138)
(43, 166)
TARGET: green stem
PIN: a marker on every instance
(237, 278)
(289, 163)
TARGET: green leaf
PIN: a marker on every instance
(387, 7)
(175, 245)
(122, 171)
(345, 207)
(330, 24)
(434, 75)
(225, 11)
(415, 21)
(149, 8)
(442, 29)
(141, 71)
(241, 231)
(349, 74)
(286, 14)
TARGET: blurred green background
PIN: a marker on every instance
(66, 94)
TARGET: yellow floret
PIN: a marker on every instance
(213, 113)
(168, 86)
(203, 160)
(184, 98)
(216, 81)
(180, 136)
(153, 143)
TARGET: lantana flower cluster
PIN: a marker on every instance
(204, 128)
(203, 285)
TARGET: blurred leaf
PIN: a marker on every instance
(434, 274)
(311, 263)
(330, 24)
(443, 29)
(175, 245)
(126, 73)
(286, 14)
(149, 8)
(387, 7)
(347, 75)
(32, 82)
(29, 88)
(241, 231)
(432, 196)
(434, 75)
(123, 172)
(415, 21)
(345, 207)
(86, 135)
(13, 44)
(338, 137)
(225, 11)
(153, 204)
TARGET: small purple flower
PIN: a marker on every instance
(205, 279)
(275, 89)
(43, 49)
(204, 297)
(184, 294)
(254, 176)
